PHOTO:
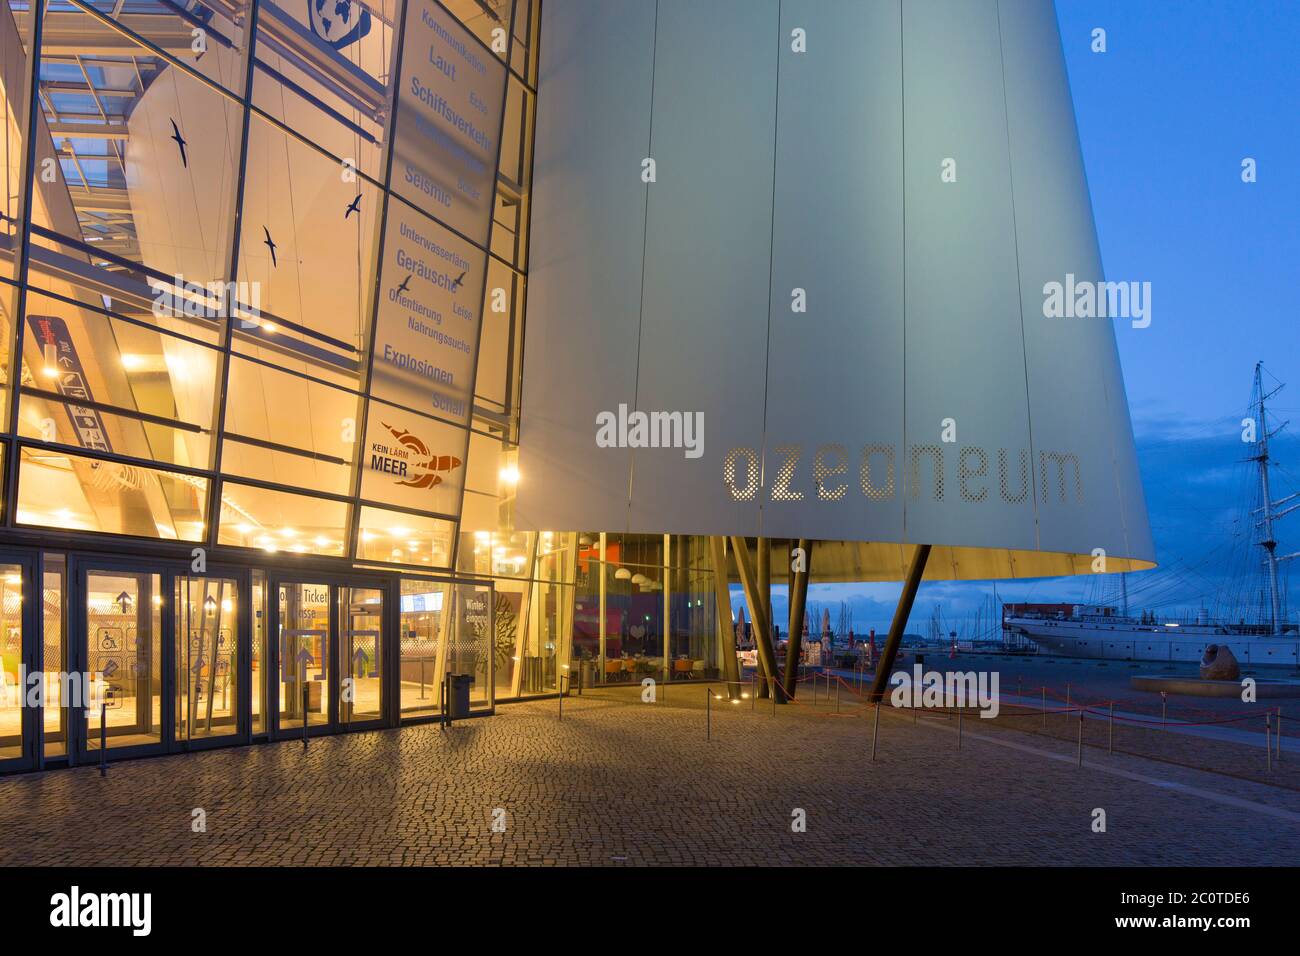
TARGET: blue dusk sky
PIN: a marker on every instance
(1184, 92)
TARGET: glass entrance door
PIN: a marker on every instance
(361, 658)
(304, 650)
(123, 658)
(206, 665)
(17, 721)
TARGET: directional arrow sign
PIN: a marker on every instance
(304, 658)
(124, 601)
(210, 605)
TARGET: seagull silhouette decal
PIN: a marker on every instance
(455, 284)
(354, 206)
(405, 282)
(180, 144)
(270, 245)
(423, 464)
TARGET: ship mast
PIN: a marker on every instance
(1269, 542)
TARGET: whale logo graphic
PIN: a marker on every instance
(424, 465)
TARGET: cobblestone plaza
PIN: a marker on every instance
(620, 782)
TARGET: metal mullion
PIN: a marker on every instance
(27, 179)
(286, 489)
(119, 27)
(482, 292)
(352, 535)
(232, 275)
(122, 317)
(515, 411)
(114, 457)
(402, 509)
(131, 413)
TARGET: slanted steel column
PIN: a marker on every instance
(726, 628)
(905, 600)
(757, 607)
(798, 603)
(763, 552)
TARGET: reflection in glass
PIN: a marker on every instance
(58, 490)
(423, 619)
(304, 654)
(286, 429)
(361, 642)
(81, 365)
(12, 691)
(395, 537)
(207, 665)
(54, 656)
(124, 658)
(280, 521)
(143, 178)
(261, 653)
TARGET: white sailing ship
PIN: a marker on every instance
(1253, 621)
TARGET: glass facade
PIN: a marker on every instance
(263, 275)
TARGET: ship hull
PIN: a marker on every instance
(1119, 642)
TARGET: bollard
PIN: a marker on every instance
(1044, 708)
(103, 740)
(1268, 741)
(753, 691)
(561, 696)
(306, 698)
(1080, 738)
(1164, 705)
(708, 714)
(1110, 740)
(1019, 681)
(837, 697)
(772, 694)
(446, 699)
(959, 713)
(875, 733)
(1279, 735)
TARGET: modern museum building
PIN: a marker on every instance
(358, 351)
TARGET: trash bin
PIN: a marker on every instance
(458, 695)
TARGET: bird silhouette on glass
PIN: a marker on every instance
(180, 144)
(270, 245)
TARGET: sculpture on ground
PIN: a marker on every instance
(1219, 663)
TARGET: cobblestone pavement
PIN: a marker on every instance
(619, 782)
